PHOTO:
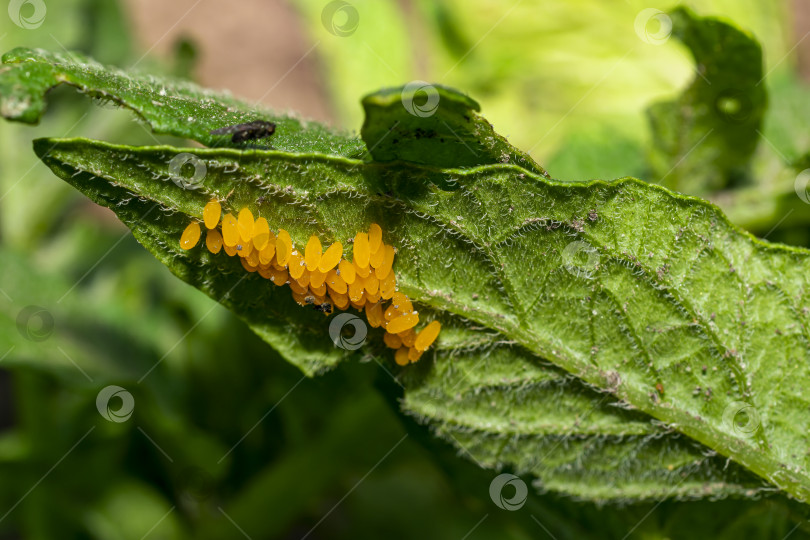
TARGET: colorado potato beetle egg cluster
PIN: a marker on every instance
(321, 278)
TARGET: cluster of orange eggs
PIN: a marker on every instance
(365, 283)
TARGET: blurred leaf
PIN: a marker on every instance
(704, 140)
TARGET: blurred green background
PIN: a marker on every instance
(226, 440)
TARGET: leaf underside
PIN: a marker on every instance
(602, 336)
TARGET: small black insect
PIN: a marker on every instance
(325, 308)
(258, 129)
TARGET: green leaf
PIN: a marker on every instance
(690, 325)
(434, 125)
(168, 106)
(705, 139)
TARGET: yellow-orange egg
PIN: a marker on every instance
(331, 257)
(213, 241)
(401, 356)
(245, 223)
(230, 230)
(313, 253)
(400, 324)
(283, 247)
(261, 233)
(191, 235)
(211, 213)
(427, 335)
(362, 251)
(392, 341)
(374, 314)
(347, 271)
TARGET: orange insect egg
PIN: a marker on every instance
(384, 268)
(376, 297)
(358, 305)
(266, 272)
(253, 259)
(300, 298)
(362, 251)
(374, 238)
(313, 253)
(279, 277)
(331, 257)
(377, 258)
(213, 241)
(318, 291)
(245, 222)
(191, 235)
(408, 337)
(261, 233)
(356, 291)
(400, 324)
(297, 288)
(392, 341)
(230, 230)
(388, 286)
(347, 271)
(363, 272)
(283, 247)
(402, 303)
(335, 282)
(230, 250)
(304, 279)
(390, 313)
(211, 213)
(296, 264)
(427, 335)
(401, 356)
(374, 314)
(268, 252)
(316, 278)
(247, 265)
(243, 250)
(414, 355)
(372, 284)
(341, 301)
